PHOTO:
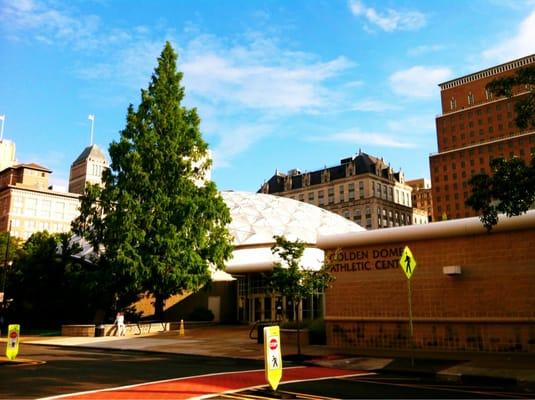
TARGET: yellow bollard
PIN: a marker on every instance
(181, 330)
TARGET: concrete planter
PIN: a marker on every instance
(289, 336)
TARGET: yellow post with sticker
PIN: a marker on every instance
(273, 355)
(12, 345)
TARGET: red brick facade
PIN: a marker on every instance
(490, 306)
(474, 127)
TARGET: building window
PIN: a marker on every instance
(311, 196)
(301, 197)
(330, 193)
(320, 198)
(341, 189)
(351, 191)
(453, 104)
(471, 99)
(31, 206)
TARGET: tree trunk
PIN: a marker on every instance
(298, 319)
(158, 307)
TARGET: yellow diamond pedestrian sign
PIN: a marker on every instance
(407, 262)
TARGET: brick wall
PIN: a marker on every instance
(489, 307)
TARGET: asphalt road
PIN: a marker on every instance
(61, 370)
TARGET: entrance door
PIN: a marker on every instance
(214, 305)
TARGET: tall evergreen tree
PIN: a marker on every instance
(160, 223)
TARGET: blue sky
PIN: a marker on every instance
(278, 84)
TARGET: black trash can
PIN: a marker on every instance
(99, 330)
(260, 327)
(260, 333)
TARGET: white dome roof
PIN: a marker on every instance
(256, 218)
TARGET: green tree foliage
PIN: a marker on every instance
(160, 226)
(290, 279)
(524, 106)
(509, 190)
(48, 285)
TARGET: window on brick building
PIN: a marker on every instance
(471, 99)
(488, 94)
(341, 191)
(330, 193)
(351, 190)
(453, 104)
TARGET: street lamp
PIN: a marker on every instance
(7, 263)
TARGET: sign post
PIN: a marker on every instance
(408, 264)
(12, 345)
(273, 355)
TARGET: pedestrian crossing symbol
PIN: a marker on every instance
(272, 355)
(407, 262)
(12, 345)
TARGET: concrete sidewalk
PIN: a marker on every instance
(234, 341)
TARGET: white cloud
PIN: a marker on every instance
(234, 140)
(356, 137)
(521, 44)
(425, 49)
(413, 125)
(371, 105)
(389, 20)
(418, 81)
(258, 74)
(48, 24)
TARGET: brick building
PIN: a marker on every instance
(28, 205)
(471, 290)
(474, 128)
(362, 188)
(422, 196)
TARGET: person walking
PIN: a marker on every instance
(119, 321)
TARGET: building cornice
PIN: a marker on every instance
(41, 191)
(476, 145)
(434, 230)
(493, 71)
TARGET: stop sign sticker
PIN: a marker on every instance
(273, 344)
(12, 345)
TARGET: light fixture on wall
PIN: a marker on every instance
(452, 270)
